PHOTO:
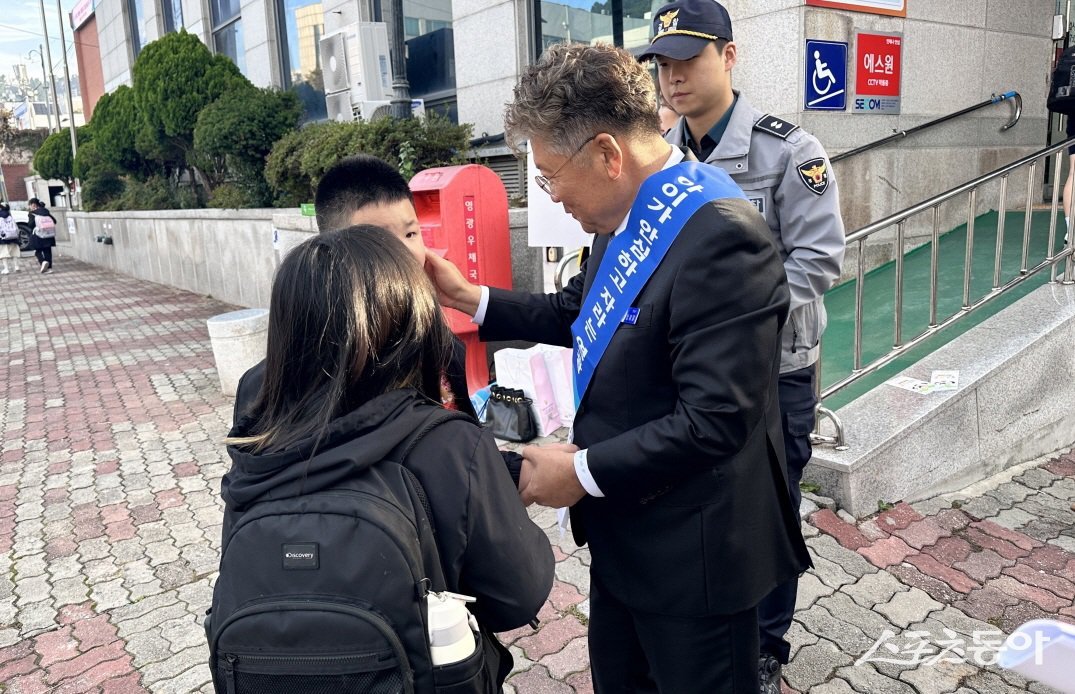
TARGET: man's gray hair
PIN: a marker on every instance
(575, 91)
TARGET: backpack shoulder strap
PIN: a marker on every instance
(430, 551)
(435, 418)
(438, 416)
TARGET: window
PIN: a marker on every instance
(172, 11)
(431, 53)
(637, 23)
(301, 27)
(624, 23)
(228, 31)
(134, 12)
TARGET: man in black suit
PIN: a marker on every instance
(679, 487)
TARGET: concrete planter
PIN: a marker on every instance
(238, 339)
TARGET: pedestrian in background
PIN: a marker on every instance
(668, 116)
(9, 239)
(43, 229)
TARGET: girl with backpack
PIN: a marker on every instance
(9, 239)
(43, 227)
(356, 503)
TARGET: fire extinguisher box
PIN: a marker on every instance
(463, 212)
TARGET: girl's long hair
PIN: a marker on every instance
(352, 316)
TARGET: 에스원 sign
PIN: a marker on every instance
(878, 60)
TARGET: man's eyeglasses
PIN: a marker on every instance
(545, 182)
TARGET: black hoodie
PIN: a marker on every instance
(489, 546)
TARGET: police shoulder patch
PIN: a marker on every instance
(775, 126)
(815, 175)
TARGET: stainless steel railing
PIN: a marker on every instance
(567, 268)
(899, 220)
(1015, 97)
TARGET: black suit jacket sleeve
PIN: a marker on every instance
(543, 318)
(726, 302)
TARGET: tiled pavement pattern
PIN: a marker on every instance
(110, 461)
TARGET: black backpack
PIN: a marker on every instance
(1062, 85)
(325, 592)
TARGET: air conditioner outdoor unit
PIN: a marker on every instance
(339, 107)
(372, 110)
(370, 52)
(356, 59)
(333, 50)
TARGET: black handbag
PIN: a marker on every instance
(509, 415)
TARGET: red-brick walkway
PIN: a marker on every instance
(110, 462)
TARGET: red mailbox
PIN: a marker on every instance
(463, 211)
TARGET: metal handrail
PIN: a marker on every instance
(1016, 98)
(899, 219)
(574, 256)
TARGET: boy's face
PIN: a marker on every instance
(399, 218)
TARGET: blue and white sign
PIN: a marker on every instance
(826, 76)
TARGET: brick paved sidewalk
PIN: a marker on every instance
(110, 465)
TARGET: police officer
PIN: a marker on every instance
(785, 172)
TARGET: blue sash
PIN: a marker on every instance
(665, 202)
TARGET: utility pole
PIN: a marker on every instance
(71, 201)
(3, 182)
(48, 59)
(45, 83)
(401, 88)
(67, 78)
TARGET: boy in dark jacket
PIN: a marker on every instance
(364, 189)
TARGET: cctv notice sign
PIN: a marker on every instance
(877, 73)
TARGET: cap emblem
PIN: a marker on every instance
(669, 20)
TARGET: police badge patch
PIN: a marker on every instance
(815, 175)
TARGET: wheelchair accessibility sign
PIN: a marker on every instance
(826, 76)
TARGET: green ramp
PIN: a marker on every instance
(837, 353)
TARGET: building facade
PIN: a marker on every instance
(464, 57)
(273, 42)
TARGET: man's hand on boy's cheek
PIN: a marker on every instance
(453, 290)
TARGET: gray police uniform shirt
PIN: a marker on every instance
(786, 174)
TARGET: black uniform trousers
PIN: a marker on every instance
(797, 402)
(633, 652)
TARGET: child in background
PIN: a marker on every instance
(9, 240)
